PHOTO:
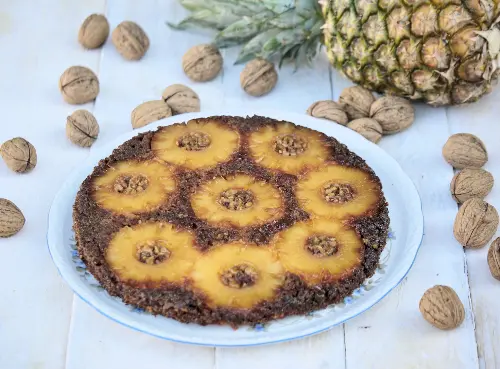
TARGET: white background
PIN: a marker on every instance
(42, 326)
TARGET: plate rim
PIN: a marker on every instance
(269, 113)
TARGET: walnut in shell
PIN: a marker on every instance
(130, 40)
(94, 31)
(475, 223)
(79, 85)
(441, 306)
(356, 101)
(394, 114)
(494, 259)
(469, 183)
(465, 150)
(328, 109)
(19, 155)
(202, 63)
(181, 99)
(11, 218)
(149, 112)
(368, 128)
(258, 77)
(82, 128)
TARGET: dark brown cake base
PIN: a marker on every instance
(95, 226)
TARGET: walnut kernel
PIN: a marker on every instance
(131, 184)
(290, 145)
(322, 245)
(236, 199)
(338, 193)
(152, 252)
(239, 276)
(194, 141)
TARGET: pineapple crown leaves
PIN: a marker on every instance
(289, 30)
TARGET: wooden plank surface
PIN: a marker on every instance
(36, 305)
(37, 43)
(483, 120)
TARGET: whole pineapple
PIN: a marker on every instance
(444, 52)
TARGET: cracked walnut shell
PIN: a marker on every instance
(258, 77)
(494, 259)
(78, 85)
(130, 40)
(202, 63)
(181, 99)
(11, 218)
(82, 128)
(394, 114)
(469, 183)
(465, 150)
(150, 111)
(19, 155)
(441, 307)
(475, 223)
(356, 101)
(368, 128)
(328, 109)
(94, 31)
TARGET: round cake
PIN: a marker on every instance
(231, 220)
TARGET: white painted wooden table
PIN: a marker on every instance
(43, 326)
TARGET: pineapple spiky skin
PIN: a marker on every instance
(160, 182)
(235, 240)
(444, 52)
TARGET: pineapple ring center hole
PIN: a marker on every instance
(152, 252)
(239, 276)
(194, 141)
(131, 184)
(236, 199)
(338, 193)
(290, 145)
(322, 246)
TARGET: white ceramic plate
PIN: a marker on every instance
(404, 241)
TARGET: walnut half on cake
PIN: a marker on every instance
(231, 220)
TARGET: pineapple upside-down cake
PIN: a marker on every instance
(229, 220)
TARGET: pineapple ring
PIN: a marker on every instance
(266, 204)
(208, 269)
(294, 256)
(121, 254)
(312, 150)
(311, 196)
(160, 183)
(216, 144)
